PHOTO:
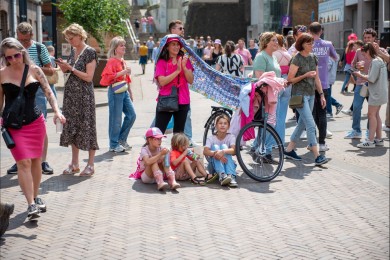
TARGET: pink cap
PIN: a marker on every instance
(154, 132)
(352, 37)
(174, 40)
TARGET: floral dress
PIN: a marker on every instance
(79, 106)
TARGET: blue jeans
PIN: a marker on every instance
(306, 120)
(219, 167)
(41, 102)
(347, 77)
(188, 126)
(357, 109)
(150, 53)
(118, 103)
(281, 112)
(331, 101)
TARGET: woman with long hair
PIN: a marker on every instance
(350, 52)
(119, 100)
(230, 62)
(378, 86)
(173, 70)
(30, 138)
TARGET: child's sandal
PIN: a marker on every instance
(212, 178)
(198, 181)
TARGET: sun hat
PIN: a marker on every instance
(218, 41)
(154, 132)
(173, 39)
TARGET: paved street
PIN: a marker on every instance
(339, 211)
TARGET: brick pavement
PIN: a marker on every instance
(339, 211)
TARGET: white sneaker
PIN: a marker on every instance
(304, 135)
(366, 144)
(118, 149)
(385, 128)
(323, 148)
(329, 134)
(347, 112)
(379, 142)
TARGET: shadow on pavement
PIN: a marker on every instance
(7, 182)
(107, 156)
(60, 183)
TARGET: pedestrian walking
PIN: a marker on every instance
(143, 56)
(230, 62)
(17, 69)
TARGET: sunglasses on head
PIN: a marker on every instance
(15, 56)
(302, 29)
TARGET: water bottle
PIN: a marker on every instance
(58, 126)
(167, 160)
(191, 155)
(9, 142)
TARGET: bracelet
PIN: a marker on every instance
(73, 69)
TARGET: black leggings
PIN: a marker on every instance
(319, 115)
(179, 119)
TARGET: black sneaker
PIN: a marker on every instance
(32, 212)
(6, 211)
(40, 204)
(13, 169)
(268, 159)
(46, 169)
(292, 155)
(338, 109)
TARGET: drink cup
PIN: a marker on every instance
(58, 126)
(167, 160)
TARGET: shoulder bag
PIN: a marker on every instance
(168, 103)
(13, 118)
(121, 86)
(296, 102)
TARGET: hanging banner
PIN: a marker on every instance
(330, 11)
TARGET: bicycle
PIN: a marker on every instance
(261, 159)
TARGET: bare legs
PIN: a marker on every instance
(29, 177)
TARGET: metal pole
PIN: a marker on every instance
(54, 26)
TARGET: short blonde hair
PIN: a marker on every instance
(75, 29)
(24, 28)
(179, 140)
(265, 39)
(114, 43)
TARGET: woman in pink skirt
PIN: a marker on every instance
(28, 139)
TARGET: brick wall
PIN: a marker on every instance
(301, 11)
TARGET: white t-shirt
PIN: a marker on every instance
(229, 140)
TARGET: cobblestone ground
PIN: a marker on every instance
(339, 211)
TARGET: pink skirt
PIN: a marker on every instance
(29, 140)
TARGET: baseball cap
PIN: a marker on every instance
(154, 132)
(174, 40)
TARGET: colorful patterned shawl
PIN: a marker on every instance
(221, 88)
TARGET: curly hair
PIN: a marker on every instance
(75, 29)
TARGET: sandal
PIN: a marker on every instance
(198, 180)
(71, 170)
(88, 171)
(211, 179)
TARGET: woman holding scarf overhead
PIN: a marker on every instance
(173, 69)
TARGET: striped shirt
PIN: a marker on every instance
(33, 52)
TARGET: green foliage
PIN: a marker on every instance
(97, 17)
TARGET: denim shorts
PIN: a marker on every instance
(41, 102)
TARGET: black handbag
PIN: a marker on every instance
(13, 117)
(296, 102)
(9, 142)
(168, 103)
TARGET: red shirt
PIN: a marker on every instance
(349, 57)
(113, 66)
(174, 155)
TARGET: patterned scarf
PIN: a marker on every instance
(221, 88)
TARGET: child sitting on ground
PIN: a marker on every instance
(151, 162)
(220, 147)
(183, 161)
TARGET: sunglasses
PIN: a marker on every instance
(181, 28)
(15, 56)
(302, 29)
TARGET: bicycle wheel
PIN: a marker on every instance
(209, 127)
(261, 158)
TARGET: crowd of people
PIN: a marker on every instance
(306, 66)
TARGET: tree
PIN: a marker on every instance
(97, 17)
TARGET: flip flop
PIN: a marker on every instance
(198, 181)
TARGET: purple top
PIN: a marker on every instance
(323, 50)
